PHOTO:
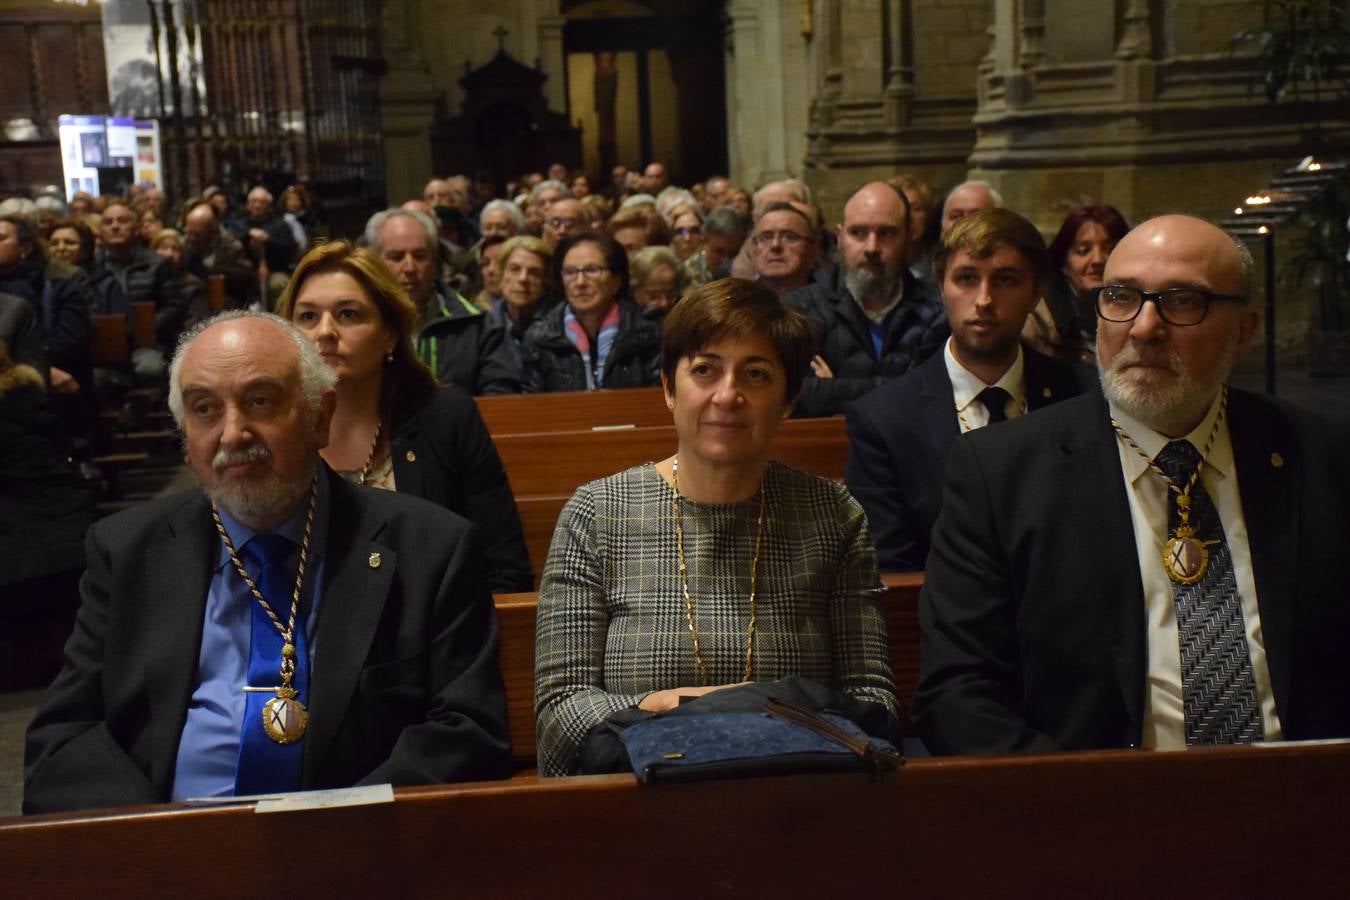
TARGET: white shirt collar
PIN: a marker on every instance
(966, 386)
(1220, 458)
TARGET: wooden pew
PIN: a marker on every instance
(108, 344)
(515, 622)
(573, 410)
(1261, 821)
(557, 463)
(538, 517)
(143, 324)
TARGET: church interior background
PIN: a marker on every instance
(1148, 105)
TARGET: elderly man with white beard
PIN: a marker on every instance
(1156, 566)
(277, 629)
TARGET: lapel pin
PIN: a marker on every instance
(411, 456)
(1045, 392)
(1276, 460)
(374, 560)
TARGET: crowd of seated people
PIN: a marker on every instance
(983, 450)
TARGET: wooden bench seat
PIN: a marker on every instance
(516, 620)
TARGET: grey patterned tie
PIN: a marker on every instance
(1217, 685)
(995, 400)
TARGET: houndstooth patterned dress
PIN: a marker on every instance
(612, 627)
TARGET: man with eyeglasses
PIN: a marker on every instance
(564, 218)
(991, 267)
(1157, 566)
(874, 321)
(785, 248)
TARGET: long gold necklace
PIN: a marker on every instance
(284, 716)
(684, 580)
(1184, 557)
(370, 457)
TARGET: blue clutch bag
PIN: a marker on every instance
(783, 738)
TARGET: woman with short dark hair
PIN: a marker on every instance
(715, 566)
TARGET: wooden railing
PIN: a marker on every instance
(1260, 821)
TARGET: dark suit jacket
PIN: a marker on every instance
(898, 437)
(406, 686)
(441, 451)
(1032, 612)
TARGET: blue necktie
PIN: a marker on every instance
(264, 766)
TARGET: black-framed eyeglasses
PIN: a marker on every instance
(1176, 306)
(590, 273)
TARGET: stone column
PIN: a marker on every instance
(551, 60)
(1032, 34)
(899, 90)
(408, 101)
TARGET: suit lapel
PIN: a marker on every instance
(1090, 476)
(358, 573)
(938, 405)
(1269, 474)
(177, 577)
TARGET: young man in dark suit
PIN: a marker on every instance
(992, 268)
(278, 629)
(1160, 565)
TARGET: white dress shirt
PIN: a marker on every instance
(1164, 713)
(966, 388)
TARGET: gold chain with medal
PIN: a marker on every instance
(1184, 557)
(284, 716)
(684, 580)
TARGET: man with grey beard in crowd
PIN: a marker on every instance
(277, 629)
(1158, 565)
(874, 322)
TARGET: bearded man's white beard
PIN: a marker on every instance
(1170, 408)
(267, 501)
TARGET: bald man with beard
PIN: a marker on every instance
(873, 320)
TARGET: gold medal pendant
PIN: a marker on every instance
(284, 717)
(1185, 557)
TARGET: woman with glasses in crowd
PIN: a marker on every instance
(394, 427)
(716, 566)
(598, 337)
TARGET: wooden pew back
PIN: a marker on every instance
(1106, 824)
(516, 619)
(108, 344)
(573, 410)
(142, 324)
(557, 463)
